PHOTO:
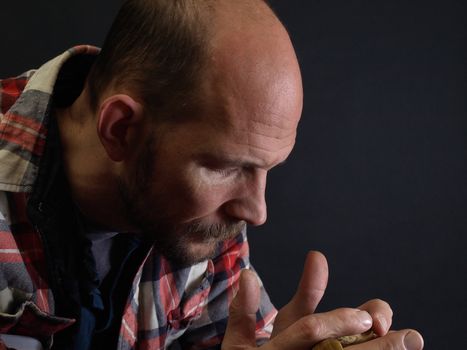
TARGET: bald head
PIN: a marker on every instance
(158, 51)
(252, 86)
(252, 51)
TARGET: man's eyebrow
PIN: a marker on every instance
(230, 161)
(225, 160)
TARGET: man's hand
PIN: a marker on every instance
(298, 327)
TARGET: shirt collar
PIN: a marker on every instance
(23, 128)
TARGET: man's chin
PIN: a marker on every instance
(186, 248)
(191, 253)
(198, 252)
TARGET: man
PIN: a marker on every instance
(129, 176)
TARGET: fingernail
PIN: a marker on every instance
(365, 318)
(413, 341)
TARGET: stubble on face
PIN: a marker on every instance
(253, 79)
(184, 243)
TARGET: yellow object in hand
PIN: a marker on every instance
(342, 342)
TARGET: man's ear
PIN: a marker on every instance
(117, 114)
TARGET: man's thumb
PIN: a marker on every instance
(242, 313)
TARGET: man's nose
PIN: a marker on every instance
(249, 204)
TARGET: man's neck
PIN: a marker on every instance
(91, 175)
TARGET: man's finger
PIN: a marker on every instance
(315, 328)
(313, 283)
(381, 313)
(242, 313)
(406, 339)
(309, 292)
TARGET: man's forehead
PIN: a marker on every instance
(255, 83)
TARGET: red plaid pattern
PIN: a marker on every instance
(166, 303)
(11, 89)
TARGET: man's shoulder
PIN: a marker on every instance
(24, 109)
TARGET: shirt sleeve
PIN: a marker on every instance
(207, 331)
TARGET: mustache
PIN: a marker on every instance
(217, 231)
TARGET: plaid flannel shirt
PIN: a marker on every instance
(166, 303)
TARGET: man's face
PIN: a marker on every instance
(199, 182)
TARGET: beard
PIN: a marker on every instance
(184, 243)
(190, 243)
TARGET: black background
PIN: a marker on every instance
(377, 180)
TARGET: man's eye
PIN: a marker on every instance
(225, 171)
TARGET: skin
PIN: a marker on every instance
(192, 185)
(298, 327)
(207, 174)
